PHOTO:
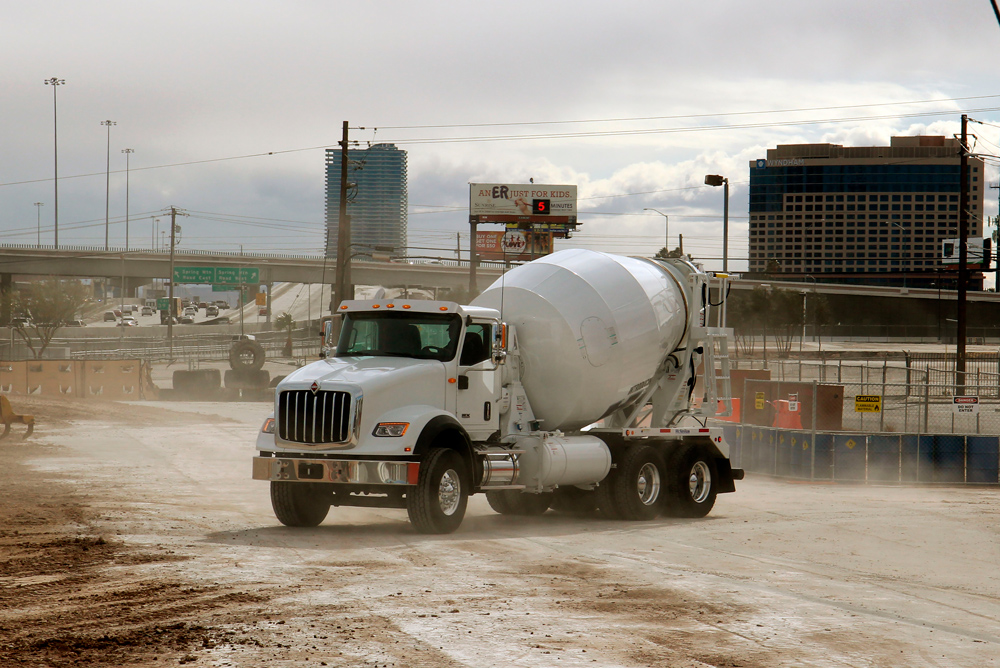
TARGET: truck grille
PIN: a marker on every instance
(307, 417)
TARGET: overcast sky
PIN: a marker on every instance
(655, 94)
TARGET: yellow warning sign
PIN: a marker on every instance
(805, 445)
(758, 401)
(850, 444)
(867, 403)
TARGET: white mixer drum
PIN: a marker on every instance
(592, 328)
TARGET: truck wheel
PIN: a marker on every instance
(692, 482)
(498, 501)
(246, 355)
(638, 484)
(300, 504)
(516, 502)
(436, 504)
(574, 500)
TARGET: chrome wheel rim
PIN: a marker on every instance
(449, 492)
(648, 484)
(700, 482)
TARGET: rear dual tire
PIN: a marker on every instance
(693, 482)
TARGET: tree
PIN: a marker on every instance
(284, 321)
(50, 304)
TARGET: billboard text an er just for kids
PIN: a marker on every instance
(522, 203)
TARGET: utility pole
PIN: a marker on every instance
(107, 187)
(963, 258)
(170, 308)
(127, 152)
(343, 279)
(54, 82)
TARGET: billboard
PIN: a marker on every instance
(512, 245)
(978, 249)
(532, 203)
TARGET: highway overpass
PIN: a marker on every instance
(142, 266)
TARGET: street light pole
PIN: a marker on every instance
(107, 187)
(666, 227)
(717, 180)
(38, 208)
(127, 152)
(55, 83)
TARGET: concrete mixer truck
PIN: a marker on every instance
(569, 383)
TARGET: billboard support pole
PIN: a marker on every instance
(473, 258)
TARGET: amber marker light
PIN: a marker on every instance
(453, 380)
(406, 306)
(268, 427)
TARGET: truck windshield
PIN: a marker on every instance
(417, 335)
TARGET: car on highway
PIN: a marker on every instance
(186, 319)
(128, 321)
(222, 304)
(191, 311)
(211, 311)
(109, 316)
(147, 310)
(75, 323)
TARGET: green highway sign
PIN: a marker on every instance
(162, 304)
(216, 275)
(237, 275)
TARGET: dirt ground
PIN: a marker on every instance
(132, 534)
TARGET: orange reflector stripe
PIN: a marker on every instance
(412, 473)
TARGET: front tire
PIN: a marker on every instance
(437, 503)
(693, 482)
(300, 504)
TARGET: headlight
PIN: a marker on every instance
(393, 429)
(268, 427)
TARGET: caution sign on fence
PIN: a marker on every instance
(867, 403)
(758, 401)
(965, 405)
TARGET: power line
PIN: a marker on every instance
(578, 135)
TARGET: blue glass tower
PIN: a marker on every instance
(376, 198)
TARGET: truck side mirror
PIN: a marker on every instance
(499, 343)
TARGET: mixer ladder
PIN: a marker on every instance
(718, 388)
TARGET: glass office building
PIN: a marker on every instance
(872, 214)
(376, 198)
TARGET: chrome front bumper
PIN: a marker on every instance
(345, 471)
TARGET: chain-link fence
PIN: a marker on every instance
(200, 347)
(873, 407)
(876, 430)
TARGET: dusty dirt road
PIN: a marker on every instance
(132, 534)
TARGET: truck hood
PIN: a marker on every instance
(369, 373)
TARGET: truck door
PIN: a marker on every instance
(478, 382)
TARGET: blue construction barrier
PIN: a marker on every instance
(856, 457)
(982, 458)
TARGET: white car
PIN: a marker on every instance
(128, 321)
